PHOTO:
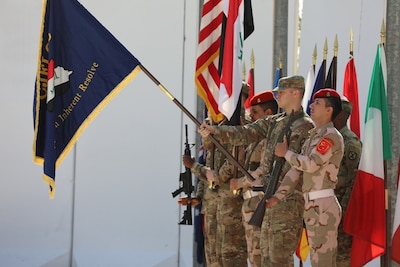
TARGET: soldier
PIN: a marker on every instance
(346, 176)
(281, 227)
(261, 105)
(208, 197)
(316, 168)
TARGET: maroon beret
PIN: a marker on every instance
(325, 93)
(262, 97)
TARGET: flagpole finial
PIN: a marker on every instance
(335, 46)
(325, 48)
(252, 59)
(351, 41)
(314, 55)
(280, 58)
(383, 32)
(244, 71)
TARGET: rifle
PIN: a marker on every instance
(273, 177)
(186, 186)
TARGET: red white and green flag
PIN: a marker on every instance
(365, 216)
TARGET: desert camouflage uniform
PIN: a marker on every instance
(254, 154)
(282, 224)
(319, 163)
(346, 176)
(209, 198)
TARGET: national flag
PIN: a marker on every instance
(331, 77)
(308, 87)
(231, 82)
(278, 75)
(365, 215)
(396, 225)
(350, 91)
(207, 77)
(319, 83)
(81, 67)
(303, 248)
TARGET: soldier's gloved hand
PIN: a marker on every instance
(210, 175)
(184, 201)
(187, 161)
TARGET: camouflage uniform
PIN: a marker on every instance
(282, 224)
(346, 176)
(231, 242)
(319, 163)
(230, 245)
(209, 198)
(254, 154)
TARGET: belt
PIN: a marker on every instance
(250, 193)
(318, 194)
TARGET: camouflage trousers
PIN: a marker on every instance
(344, 247)
(280, 232)
(210, 239)
(322, 217)
(253, 233)
(231, 244)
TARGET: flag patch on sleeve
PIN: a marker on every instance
(324, 145)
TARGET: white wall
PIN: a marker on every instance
(127, 162)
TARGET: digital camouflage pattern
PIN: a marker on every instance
(316, 168)
(276, 247)
(230, 244)
(346, 176)
(254, 154)
(209, 199)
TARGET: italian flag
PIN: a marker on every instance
(365, 216)
(231, 76)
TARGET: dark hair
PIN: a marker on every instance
(336, 104)
(272, 105)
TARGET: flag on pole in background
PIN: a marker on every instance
(331, 77)
(231, 82)
(319, 83)
(395, 255)
(81, 67)
(278, 75)
(308, 87)
(303, 248)
(350, 91)
(365, 217)
(250, 82)
(207, 77)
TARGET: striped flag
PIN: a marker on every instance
(207, 77)
(331, 77)
(231, 82)
(365, 217)
(350, 91)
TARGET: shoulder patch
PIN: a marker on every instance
(324, 145)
